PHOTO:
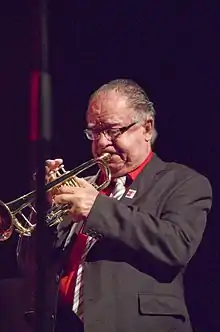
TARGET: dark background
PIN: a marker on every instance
(171, 48)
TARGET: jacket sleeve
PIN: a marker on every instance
(172, 237)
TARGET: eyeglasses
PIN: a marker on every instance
(111, 134)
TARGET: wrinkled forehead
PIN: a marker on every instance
(109, 107)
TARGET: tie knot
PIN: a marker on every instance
(120, 181)
(119, 188)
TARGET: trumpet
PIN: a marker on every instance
(15, 215)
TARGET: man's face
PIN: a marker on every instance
(110, 110)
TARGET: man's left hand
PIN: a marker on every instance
(80, 199)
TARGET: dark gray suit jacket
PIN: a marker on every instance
(133, 275)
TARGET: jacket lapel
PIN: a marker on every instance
(144, 180)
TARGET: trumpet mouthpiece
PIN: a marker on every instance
(106, 156)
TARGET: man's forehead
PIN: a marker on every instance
(108, 105)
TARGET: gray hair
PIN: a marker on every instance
(136, 97)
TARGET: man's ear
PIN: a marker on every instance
(149, 129)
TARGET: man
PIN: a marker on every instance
(130, 277)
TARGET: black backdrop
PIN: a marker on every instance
(172, 49)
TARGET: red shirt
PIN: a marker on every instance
(68, 280)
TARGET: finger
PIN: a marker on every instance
(50, 174)
(82, 182)
(58, 162)
(50, 163)
(51, 167)
(53, 164)
(63, 199)
(67, 190)
(47, 170)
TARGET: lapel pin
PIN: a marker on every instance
(130, 193)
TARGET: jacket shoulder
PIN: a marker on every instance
(181, 173)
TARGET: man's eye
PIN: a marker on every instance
(96, 132)
(112, 131)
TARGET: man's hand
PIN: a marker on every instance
(80, 199)
(51, 166)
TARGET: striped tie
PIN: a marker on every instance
(78, 291)
(119, 189)
(117, 193)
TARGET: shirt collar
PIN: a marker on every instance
(133, 174)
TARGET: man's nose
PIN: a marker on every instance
(102, 141)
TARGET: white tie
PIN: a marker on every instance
(119, 189)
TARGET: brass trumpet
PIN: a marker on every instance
(13, 215)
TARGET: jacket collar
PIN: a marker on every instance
(144, 180)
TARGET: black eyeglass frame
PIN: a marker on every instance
(110, 134)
